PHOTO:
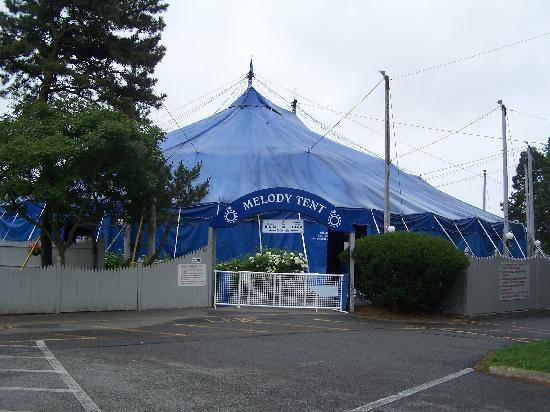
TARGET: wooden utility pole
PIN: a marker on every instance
(484, 189)
(505, 228)
(387, 160)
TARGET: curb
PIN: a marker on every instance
(510, 372)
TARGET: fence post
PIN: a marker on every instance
(239, 292)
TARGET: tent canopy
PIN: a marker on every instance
(254, 144)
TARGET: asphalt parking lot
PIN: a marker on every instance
(248, 360)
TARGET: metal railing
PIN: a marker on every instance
(284, 290)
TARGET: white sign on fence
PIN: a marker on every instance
(191, 274)
(282, 226)
(513, 281)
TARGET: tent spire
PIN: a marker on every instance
(250, 73)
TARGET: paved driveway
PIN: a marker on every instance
(240, 360)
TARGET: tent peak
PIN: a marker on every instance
(250, 74)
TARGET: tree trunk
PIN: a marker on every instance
(152, 229)
(46, 258)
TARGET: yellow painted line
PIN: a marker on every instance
(221, 327)
(142, 331)
(304, 326)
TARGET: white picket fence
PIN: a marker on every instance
(285, 290)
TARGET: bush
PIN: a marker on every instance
(406, 270)
(271, 260)
(114, 260)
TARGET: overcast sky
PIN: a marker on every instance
(330, 52)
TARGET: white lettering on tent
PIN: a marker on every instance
(264, 200)
(310, 204)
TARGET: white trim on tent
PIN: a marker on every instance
(443, 229)
(464, 239)
(374, 220)
(12, 222)
(403, 220)
(483, 227)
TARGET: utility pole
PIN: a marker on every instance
(505, 228)
(387, 154)
(530, 202)
(484, 189)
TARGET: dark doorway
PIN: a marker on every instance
(335, 246)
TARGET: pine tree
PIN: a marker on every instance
(104, 51)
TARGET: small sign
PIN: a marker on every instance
(191, 274)
(196, 259)
(513, 281)
(282, 226)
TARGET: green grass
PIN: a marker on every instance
(532, 356)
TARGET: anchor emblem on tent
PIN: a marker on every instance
(230, 215)
(334, 219)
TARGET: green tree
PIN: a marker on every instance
(82, 160)
(541, 193)
(103, 51)
(179, 190)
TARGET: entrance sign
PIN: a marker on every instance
(282, 226)
(513, 281)
(283, 199)
(191, 274)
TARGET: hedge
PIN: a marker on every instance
(405, 270)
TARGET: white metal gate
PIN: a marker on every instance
(285, 290)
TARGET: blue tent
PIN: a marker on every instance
(255, 145)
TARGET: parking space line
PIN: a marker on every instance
(30, 370)
(26, 389)
(78, 392)
(19, 357)
(412, 391)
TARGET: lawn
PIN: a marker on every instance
(532, 356)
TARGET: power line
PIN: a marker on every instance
(529, 115)
(450, 134)
(347, 114)
(461, 59)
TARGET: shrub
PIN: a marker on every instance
(406, 270)
(270, 260)
(114, 260)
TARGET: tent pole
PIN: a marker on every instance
(387, 160)
(351, 273)
(304, 242)
(484, 189)
(260, 233)
(177, 232)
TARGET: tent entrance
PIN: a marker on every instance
(336, 244)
